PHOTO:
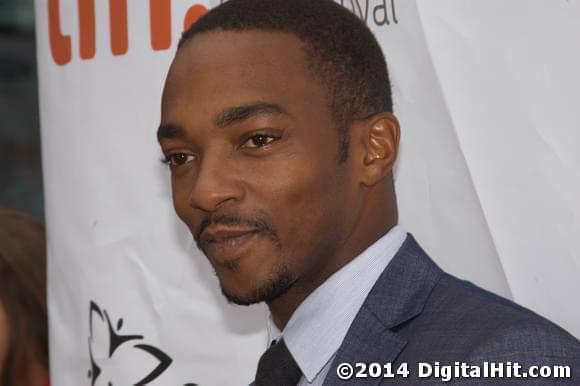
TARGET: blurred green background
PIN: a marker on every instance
(20, 161)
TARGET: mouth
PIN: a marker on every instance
(227, 243)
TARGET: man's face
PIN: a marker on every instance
(253, 153)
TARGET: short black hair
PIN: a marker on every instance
(341, 51)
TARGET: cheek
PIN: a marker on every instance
(180, 196)
(307, 203)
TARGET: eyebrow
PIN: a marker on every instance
(170, 131)
(225, 118)
(238, 114)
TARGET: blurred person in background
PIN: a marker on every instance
(23, 315)
(23, 311)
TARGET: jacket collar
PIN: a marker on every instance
(399, 294)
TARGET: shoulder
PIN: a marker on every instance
(494, 326)
(463, 323)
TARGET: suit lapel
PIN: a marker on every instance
(366, 343)
(399, 294)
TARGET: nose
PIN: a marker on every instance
(217, 184)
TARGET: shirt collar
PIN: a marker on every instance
(318, 326)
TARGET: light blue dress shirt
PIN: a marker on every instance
(318, 326)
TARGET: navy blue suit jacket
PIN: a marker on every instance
(417, 313)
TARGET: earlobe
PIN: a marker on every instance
(381, 141)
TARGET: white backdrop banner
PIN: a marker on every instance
(488, 179)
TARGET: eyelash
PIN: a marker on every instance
(271, 138)
(170, 159)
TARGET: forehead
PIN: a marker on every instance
(219, 69)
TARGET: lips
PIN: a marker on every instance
(226, 242)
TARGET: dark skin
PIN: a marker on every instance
(253, 152)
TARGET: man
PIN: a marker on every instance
(281, 141)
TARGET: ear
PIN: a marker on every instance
(380, 139)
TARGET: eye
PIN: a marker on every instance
(259, 140)
(178, 159)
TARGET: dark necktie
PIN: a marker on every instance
(277, 367)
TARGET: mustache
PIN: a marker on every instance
(259, 221)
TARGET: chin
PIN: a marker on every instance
(264, 291)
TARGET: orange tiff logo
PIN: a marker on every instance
(160, 27)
